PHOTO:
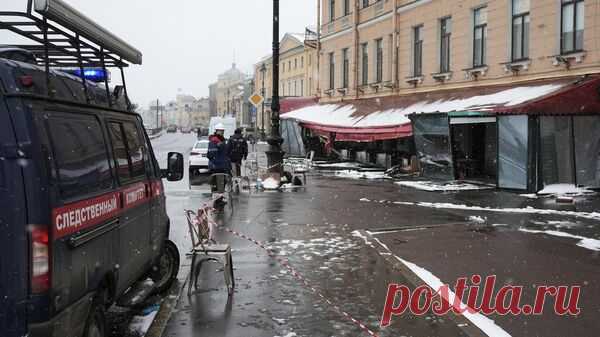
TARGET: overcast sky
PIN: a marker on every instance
(187, 43)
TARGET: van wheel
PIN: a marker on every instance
(96, 322)
(165, 272)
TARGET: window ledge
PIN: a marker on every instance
(342, 91)
(442, 77)
(476, 72)
(414, 80)
(516, 66)
(329, 92)
(569, 58)
(389, 85)
(375, 86)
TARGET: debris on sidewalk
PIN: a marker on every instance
(452, 186)
(141, 323)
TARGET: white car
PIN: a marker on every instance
(198, 158)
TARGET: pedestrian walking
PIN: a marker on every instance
(218, 158)
(238, 151)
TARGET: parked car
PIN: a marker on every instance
(186, 129)
(82, 203)
(172, 129)
(198, 161)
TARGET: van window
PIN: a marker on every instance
(80, 155)
(129, 151)
(136, 150)
(119, 151)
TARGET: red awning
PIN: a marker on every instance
(384, 118)
(582, 97)
(343, 134)
(293, 103)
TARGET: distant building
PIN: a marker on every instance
(212, 99)
(229, 85)
(297, 73)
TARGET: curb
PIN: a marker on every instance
(171, 300)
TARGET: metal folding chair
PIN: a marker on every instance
(206, 249)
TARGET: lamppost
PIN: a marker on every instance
(263, 70)
(274, 154)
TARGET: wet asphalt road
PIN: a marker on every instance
(314, 228)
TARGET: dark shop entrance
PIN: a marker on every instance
(475, 148)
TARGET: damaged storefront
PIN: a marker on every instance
(368, 131)
(524, 138)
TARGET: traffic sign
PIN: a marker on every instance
(256, 100)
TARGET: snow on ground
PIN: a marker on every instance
(564, 189)
(528, 210)
(317, 246)
(270, 184)
(140, 324)
(350, 165)
(477, 219)
(587, 243)
(442, 187)
(369, 175)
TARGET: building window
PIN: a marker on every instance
(289, 65)
(365, 63)
(331, 10)
(479, 36)
(445, 34)
(301, 87)
(295, 63)
(520, 30)
(379, 61)
(302, 62)
(346, 7)
(296, 88)
(365, 3)
(572, 24)
(331, 71)
(418, 51)
(346, 68)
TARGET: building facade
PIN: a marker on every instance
(297, 73)
(373, 48)
(229, 85)
(500, 91)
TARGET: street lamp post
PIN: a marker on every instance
(274, 154)
(263, 70)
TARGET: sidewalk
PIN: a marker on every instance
(316, 229)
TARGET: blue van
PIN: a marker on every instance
(82, 205)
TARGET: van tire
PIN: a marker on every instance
(96, 321)
(166, 270)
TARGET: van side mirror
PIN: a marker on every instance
(174, 171)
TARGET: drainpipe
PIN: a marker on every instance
(356, 47)
(395, 80)
(318, 60)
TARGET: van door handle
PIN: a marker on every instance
(83, 238)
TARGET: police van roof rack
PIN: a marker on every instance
(65, 38)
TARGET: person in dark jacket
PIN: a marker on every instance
(238, 151)
(218, 153)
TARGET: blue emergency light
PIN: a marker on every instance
(96, 75)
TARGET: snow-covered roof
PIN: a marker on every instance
(394, 111)
(298, 36)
